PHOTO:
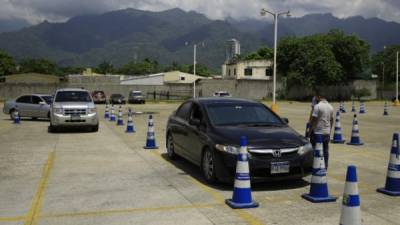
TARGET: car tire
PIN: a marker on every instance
(52, 129)
(171, 148)
(208, 167)
(12, 114)
(95, 128)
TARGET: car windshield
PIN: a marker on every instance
(73, 96)
(116, 96)
(48, 99)
(223, 94)
(136, 94)
(241, 114)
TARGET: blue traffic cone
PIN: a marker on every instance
(385, 110)
(337, 136)
(351, 212)
(319, 187)
(107, 112)
(130, 128)
(362, 108)
(241, 197)
(353, 107)
(342, 109)
(17, 119)
(355, 133)
(392, 186)
(151, 139)
(112, 116)
(120, 121)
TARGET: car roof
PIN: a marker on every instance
(42, 95)
(211, 100)
(72, 89)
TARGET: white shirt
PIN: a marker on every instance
(323, 111)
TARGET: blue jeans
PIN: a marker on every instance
(325, 146)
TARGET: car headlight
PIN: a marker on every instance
(92, 110)
(58, 110)
(228, 148)
(305, 149)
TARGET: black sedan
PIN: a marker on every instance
(117, 99)
(207, 131)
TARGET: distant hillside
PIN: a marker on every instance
(12, 25)
(168, 36)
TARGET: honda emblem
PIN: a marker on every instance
(277, 153)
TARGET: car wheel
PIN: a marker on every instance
(171, 148)
(208, 166)
(95, 128)
(52, 129)
(12, 114)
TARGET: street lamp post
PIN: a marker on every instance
(396, 102)
(194, 69)
(274, 106)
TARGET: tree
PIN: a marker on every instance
(43, 66)
(262, 53)
(104, 68)
(147, 66)
(385, 58)
(201, 70)
(7, 64)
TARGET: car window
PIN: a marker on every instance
(238, 114)
(196, 113)
(183, 111)
(36, 100)
(24, 99)
(73, 96)
(48, 99)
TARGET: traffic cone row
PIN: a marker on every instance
(351, 212)
(120, 121)
(112, 116)
(362, 108)
(341, 107)
(319, 187)
(107, 113)
(130, 128)
(392, 186)
(353, 107)
(385, 110)
(151, 140)
(355, 133)
(17, 118)
(337, 136)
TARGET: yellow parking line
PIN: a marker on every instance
(12, 219)
(124, 211)
(243, 214)
(34, 212)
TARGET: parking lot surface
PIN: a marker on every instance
(77, 177)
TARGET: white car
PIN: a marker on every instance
(222, 94)
(73, 107)
(34, 106)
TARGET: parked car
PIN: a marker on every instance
(73, 107)
(99, 97)
(117, 99)
(34, 106)
(207, 131)
(136, 97)
(222, 94)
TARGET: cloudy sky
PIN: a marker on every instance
(36, 11)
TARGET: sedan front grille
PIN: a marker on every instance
(74, 112)
(270, 154)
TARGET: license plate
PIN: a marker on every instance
(280, 167)
(75, 117)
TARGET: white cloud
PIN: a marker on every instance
(57, 10)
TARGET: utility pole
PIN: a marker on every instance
(396, 102)
(194, 69)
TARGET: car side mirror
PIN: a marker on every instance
(194, 122)
(286, 120)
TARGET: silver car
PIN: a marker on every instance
(73, 107)
(34, 106)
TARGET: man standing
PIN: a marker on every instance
(321, 124)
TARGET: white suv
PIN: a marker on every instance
(73, 107)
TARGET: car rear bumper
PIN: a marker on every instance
(136, 100)
(260, 169)
(66, 120)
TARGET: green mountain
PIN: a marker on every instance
(125, 35)
(168, 36)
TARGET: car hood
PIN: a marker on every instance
(66, 105)
(259, 137)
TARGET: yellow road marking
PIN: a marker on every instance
(124, 211)
(12, 219)
(34, 212)
(243, 214)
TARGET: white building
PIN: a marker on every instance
(232, 49)
(248, 69)
(173, 77)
